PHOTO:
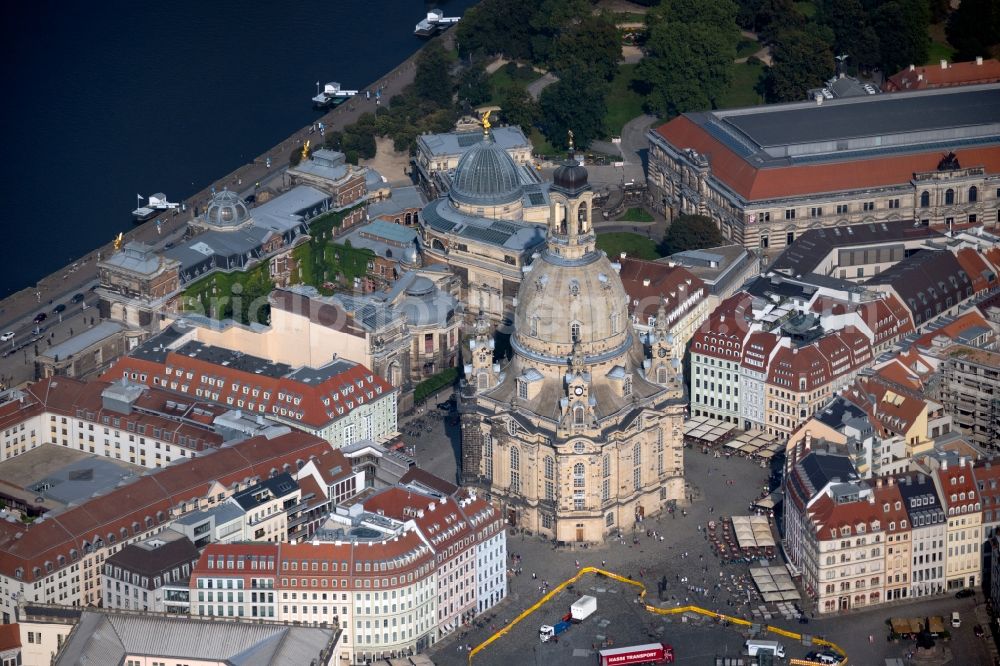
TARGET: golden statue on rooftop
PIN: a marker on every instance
(486, 122)
(305, 149)
(569, 133)
(119, 240)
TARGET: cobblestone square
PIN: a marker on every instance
(719, 487)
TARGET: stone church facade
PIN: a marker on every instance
(580, 434)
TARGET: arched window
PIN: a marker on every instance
(579, 475)
(627, 387)
(949, 197)
(578, 415)
(534, 325)
(574, 332)
(925, 199)
(637, 466)
(606, 465)
(515, 470)
(550, 467)
(483, 380)
(661, 375)
(973, 194)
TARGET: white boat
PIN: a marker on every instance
(156, 203)
(159, 202)
(435, 22)
(331, 95)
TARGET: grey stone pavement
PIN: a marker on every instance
(695, 640)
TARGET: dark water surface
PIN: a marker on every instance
(105, 100)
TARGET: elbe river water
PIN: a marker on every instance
(106, 100)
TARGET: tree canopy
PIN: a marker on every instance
(518, 108)
(902, 29)
(431, 81)
(573, 103)
(590, 47)
(691, 232)
(689, 55)
(802, 60)
(974, 28)
(853, 34)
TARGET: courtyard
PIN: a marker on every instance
(684, 557)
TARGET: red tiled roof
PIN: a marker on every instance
(967, 321)
(318, 404)
(647, 283)
(441, 520)
(955, 480)
(27, 546)
(754, 184)
(982, 274)
(10, 636)
(955, 74)
(425, 478)
(725, 328)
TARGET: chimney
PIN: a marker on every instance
(920, 77)
(645, 282)
(944, 465)
(622, 255)
(979, 60)
(944, 64)
(912, 67)
(878, 482)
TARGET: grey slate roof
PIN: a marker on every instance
(277, 486)
(510, 234)
(104, 638)
(487, 176)
(869, 116)
(402, 198)
(81, 341)
(800, 132)
(455, 143)
(137, 257)
(810, 248)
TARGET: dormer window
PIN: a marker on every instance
(578, 415)
(574, 332)
(511, 427)
(627, 386)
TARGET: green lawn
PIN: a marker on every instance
(939, 51)
(746, 48)
(541, 145)
(634, 245)
(622, 102)
(806, 8)
(636, 215)
(741, 88)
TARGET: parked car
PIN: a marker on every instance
(59, 308)
(40, 317)
(963, 593)
(9, 335)
(77, 298)
(956, 620)
(978, 631)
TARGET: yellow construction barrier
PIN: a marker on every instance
(677, 610)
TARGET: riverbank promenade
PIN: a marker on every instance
(267, 168)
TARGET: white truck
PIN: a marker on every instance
(755, 647)
(583, 608)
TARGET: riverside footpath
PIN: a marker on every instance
(17, 309)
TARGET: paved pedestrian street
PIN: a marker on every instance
(672, 547)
